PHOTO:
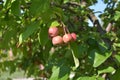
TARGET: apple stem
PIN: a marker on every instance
(64, 30)
(64, 27)
(67, 30)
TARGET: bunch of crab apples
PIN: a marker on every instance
(57, 39)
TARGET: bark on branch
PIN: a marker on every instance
(96, 23)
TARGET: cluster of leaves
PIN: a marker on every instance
(25, 45)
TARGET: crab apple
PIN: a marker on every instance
(57, 40)
(53, 31)
(67, 38)
(74, 37)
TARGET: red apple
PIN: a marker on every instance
(53, 31)
(74, 37)
(67, 38)
(57, 40)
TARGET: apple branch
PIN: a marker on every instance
(91, 16)
(96, 23)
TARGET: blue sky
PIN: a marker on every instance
(100, 6)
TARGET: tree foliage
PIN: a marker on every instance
(25, 43)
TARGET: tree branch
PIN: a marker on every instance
(109, 26)
(91, 16)
(96, 23)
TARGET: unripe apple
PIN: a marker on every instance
(74, 37)
(67, 38)
(53, 31)
(57, 40)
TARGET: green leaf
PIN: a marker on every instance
(58, 12)
(100, 78)
(117, 44)
(42, 9)
(92, 42)
(60, 73)
(98, 57)
(116, 76)
(39, 6)
(43, 36)
(8, 35)
(7, 3)
(117, 57)
(90, 78)
(102, 47)
(82, 50)
(65, 1)
(74, 49)
(106, 1)
(87, 78)
(15, 8)
(55, 73)
(76, 60)
(100, 54)
(107, 70)
(36, 6)
(117, 15)
(31, 28)
(54, 23)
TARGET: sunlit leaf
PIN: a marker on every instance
(29, 31)
(117, 15)
(107, 70)
(98, 57)
(65, 1)
(74, 49)
(76, 60)
(117, 44)
(54, 23)
(60, 73)
(87, 78)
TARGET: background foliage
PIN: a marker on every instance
(25, 45)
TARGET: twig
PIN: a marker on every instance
(64, 27)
